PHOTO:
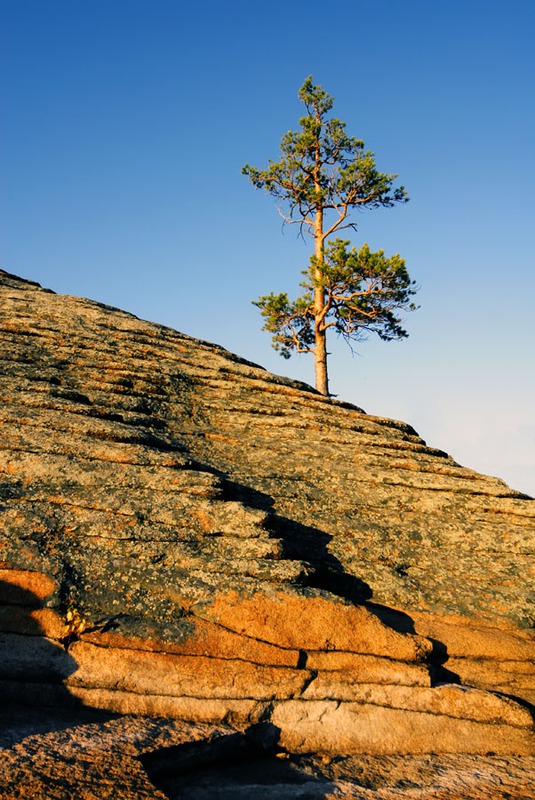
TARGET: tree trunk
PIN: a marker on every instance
(320, 356)
(320, 347)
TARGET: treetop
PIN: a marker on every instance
(315, 98)
(324, 169)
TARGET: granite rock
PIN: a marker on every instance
(187, 537)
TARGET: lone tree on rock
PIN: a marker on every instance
(322, 176)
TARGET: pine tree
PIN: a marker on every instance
(322, 176)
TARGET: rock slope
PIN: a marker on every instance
(186, 536)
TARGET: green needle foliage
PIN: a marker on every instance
(322, 176)
(363, 291)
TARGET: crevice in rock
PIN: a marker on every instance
(520, 701)
(309, 679)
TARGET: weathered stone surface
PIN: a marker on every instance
(339, 665)
(63, 756)
(33, 621)
(144, 672)
(313, 622)
(450, 700)
(25, 587)
(190, 709)
(477, 638)
(203, 638)
(139, 406)
(66, 756)
(515, 678)
(333, 727)
(58, 758)
(499, 657)
(233, 547)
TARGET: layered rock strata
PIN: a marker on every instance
(91, 757)
(184, 535)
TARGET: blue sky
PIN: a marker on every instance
(125, 127)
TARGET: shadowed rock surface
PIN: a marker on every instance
(187, 537)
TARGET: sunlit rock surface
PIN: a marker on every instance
(187, 537)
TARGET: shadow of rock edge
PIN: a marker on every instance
(231, 766)
(310, 545)
(256, 740)
(484, 662)
(302, 543)
(33, 667)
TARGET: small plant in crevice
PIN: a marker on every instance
(75, 625)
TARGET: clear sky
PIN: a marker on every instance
(125, 124)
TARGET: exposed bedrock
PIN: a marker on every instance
(185, 536)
